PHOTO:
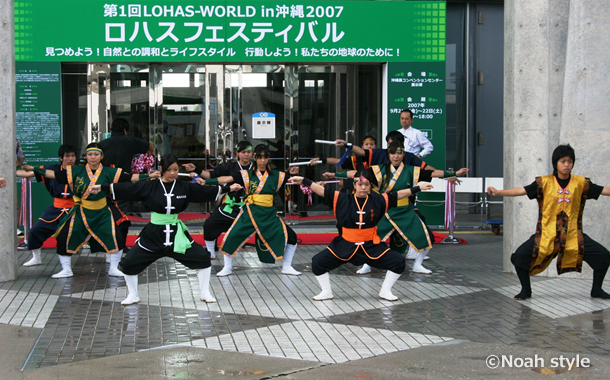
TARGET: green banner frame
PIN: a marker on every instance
(230, 31)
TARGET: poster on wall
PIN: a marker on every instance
(38, 119)
(420, 87)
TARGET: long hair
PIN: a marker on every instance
(560, 152)
(167, 160)
(393, 148)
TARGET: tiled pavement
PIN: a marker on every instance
(468, 297)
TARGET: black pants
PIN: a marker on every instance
(423, 219)
(216, 224)
(596, 255)
(325, 261)
(138, 259)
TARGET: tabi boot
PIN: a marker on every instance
(417, 267)
(598, 280)
(386, 287)
(132, 290)
(287, 261)
(526, 288)
(412, 254)
(113, 269)
(327, 293)
(211, 246)
(66, 267)
(35, 260)
(204, 285)
(366, 268)
(227, 270)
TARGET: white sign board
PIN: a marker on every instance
(263, 125)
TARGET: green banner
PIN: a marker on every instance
(230, 31)
(420, 87)
(38, 120)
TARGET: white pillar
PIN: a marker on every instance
(7, 142)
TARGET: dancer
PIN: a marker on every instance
(561, 200)
(226, 212)
(259, 216)
(165, 235)
(90, 217)
(402, 220)
(48, 222)
(358, 242)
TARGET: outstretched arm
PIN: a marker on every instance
(514, 192)
(298, 180)
(325, 160)
(24, 174)
(446, 174)
(606, 191)
(47, 173)
(405, 193)
(154, 175)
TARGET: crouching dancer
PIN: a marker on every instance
(165, 235)
(561, 198)
(358, 215)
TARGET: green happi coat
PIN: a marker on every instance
(258, 216)
(90, 217)
(401, 222)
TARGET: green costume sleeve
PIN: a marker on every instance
(143, 176)
(40, 171)
(341, 175)
(211, 181)
(448, 173)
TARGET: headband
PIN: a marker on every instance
(361, 179)
(368, 139)
(261, 155)
(400, 150)
(249, 147)
(92, 149)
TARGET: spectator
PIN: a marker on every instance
(415, 140)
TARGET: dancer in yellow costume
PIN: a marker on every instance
(561, 199)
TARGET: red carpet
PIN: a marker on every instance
(305, 238)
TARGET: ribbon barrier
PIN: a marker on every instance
(450, 213)
(25, 207)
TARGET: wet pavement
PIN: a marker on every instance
(266, 325)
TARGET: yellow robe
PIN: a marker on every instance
(559, 228)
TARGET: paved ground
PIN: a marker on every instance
(266, 325)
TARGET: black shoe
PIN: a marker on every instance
(600, 294)
(22, 246)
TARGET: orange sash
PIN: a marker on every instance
(355, 235)
(63, 203)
